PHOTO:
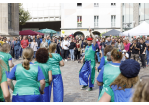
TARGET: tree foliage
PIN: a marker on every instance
(23, 15)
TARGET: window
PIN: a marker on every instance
(113, 20)
(113, 4)
(9, 16)
(96, 4)
(96, 21)
(79, 21)
(79, 4)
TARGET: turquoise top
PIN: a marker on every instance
(45, 69)
(4, 79)
(110, 73)
(6, 57)
(26, 80)
(54, 63)
(89, 53)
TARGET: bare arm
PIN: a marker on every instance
(42, 86)
(9, 81)
(61, 63)
(6, 92)
(10, 64)
(94, 39)
(99, 83)
(50, 77)
(105, 98)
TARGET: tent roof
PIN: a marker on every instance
(112, 32)
(142, 29)
(29, 32)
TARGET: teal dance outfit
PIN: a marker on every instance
(26, 88)
(58, 91)
(45, 69)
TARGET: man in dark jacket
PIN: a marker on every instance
(38, 41)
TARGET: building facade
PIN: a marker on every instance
(43, 15)
(76, 18)
(9, 19)
(132, 14)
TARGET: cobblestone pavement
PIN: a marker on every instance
(72, 89)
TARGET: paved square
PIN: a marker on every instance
(72, 89)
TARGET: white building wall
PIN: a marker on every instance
(70, 11)
(43, 11)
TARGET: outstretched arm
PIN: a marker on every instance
(94, 39)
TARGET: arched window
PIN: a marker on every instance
(9, 16)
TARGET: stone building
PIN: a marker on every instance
(132, 14)
(9, 19)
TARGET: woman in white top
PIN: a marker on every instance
(44, 44)
(34, 46)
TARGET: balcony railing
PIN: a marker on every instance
(79, 24)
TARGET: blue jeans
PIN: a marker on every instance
(20, 51)
(98, 57)
(147, 56)
(102, 50)
(71, 54)
(17, 53)
(34, 54)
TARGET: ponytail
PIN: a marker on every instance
(27, 56)
(25, 64)
(116, 54)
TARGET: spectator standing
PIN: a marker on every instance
(20, 49)
(38, 41)
(85, 43)
(16, 48)
(71, 49)
(78, 49)
(108, 41)
(44, 44)
(24, 42)
(40, 37)
(134, 47)
(102, 44)
(119, 45)
(147, 49)
(142, 52)
(29, 40)
(48, 40)
(65, 47)
(12, 47)
(127, 46)
(34, 46)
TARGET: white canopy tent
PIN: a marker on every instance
(142, 29)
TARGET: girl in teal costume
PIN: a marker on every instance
(88, 68)
(55, 61)
(42, 57)
(6, 57)
(27, 76)
(104, 58)
(4, 92)
(110, 71)
(121, 89)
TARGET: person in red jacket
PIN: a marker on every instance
(24, 43)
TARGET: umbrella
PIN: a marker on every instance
(112, 32)
(47, 31)
(29, 32)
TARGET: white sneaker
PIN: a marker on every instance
(65, 60)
